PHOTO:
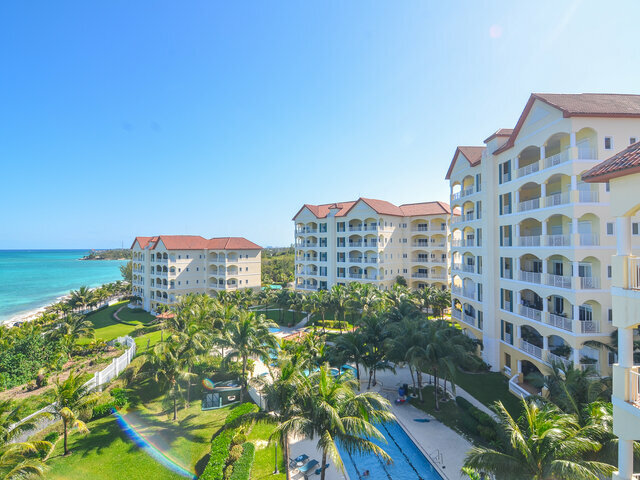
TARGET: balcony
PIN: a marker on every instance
(355, 260)
(634, 386)
(530, 277)
(531, 349)
(557, 159)
(420, 260)
(355, 275)
(299, 245)
(559, 281)
(588, 283)
(589, 239)
(420, 229)
(553, 358)
(555, 199)
(558, 241)
(527, 205)
(463, 193)
(529, 169)
(461, 242)
(456, 314)
(420, 244)
(559, 321)
(355, 228)
(529, 240)
(589, 327)
(371, 260)
(634, 273)
(530, 312)
(419, 275)
(470, 319)
(355, 244)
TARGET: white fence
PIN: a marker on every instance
(99, 378)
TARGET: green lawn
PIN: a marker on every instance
(106, 328)
(265, 454)
(106, 453)
(287, 316)
(488, 388)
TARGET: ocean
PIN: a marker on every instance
(31, 279)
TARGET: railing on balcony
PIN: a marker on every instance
(456, 314)
(586, 283)
(355, 260)
(355, 275)
(589, 327)
(558, 198)
(558, 240)
(529, 169)
(470, 319)
(530, 277)
(419, 228)
(526, 205)
(471, 294)
(634, 386)
(419, 275)
(371, 260)
(456, 290)
(355, 244)
(421, 244)
(634, 273)
(595, 366)
(529, 240)
(559, 281)
(420, 260)
(355, 228)
(530, 348)
(556, 159)
(588, 196)
(508, 338)
(463, 193)
(469, 216)
(589, 239)
(517, 389)
(559, 321)
(532, 313)
(553, 358)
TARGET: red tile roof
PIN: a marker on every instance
(196, 242)
(579, 105)
(502, 132)
(381, 207)
(622, 163)
(472, 154)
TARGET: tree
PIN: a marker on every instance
(350, 348)
(247, 336)
(373, 331)
(71, 398)
(126, 271)
(327, 408)
(545, 444)
(81, 297)
(72, 328)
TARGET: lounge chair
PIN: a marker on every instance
(293, 463)
(308, 466)
(319, 470)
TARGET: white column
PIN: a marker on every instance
(518, 299)
(576, 357)
(516, 163)
(517, 272)
(543, 190)
(576, 313)
(544, 227)
(625, 347)
(517, 202)
(574, 225)
(623, 234)
(574, 182)
(545, 343)
(625, 460)
(519, 364)
(544, 267)
(517, 230)
(542, 152)
(575, 268)
(572, 139)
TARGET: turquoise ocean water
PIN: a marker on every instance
(30, 279)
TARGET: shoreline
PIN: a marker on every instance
(31, 314)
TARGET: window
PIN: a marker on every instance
(479, 240)
(607, 187)
(479, 292)
(404, 255)
(187, 256)
(608, 271)
(609, 228)
(610, 315)
(632, 140)
(187, 282)
(478, 182)
(634, 228)
(479, 263)
(507, 360)
(504, 172)
(404, 270)
(608, 143)
(187, 269)
(179, 256)
(480, 319)
(478, 210)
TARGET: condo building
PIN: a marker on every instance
(168, 266)
(371, 241)
(531, 251)
(622, 172)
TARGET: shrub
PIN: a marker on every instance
(218, 459)
(240, 410)
(51, 437)
(463, 403)
(228, 472)
(334, 324)
(242, 467)
(469, 423)
(235, 452)
(120, 397)
(102, 410)
(487, 433)
(239, 439)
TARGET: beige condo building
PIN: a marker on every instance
(371, 241)
(531, 252)
(622, 172)
(168, 266)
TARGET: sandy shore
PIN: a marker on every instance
(32, 314)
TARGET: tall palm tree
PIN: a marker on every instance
(71, 329)
(339, 298)
(71, 398)
(249, 335)
(329, 409)
(373, 331)
(81, 297)
(350, 348)
(545, 444)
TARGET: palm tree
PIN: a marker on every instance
(339, 298)
(373, 331)
(72, 328)
(329, 409)
(81, 297)
(71, 398)
(350, 348)
(545, 444)
(249, 335)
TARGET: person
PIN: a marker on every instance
(366, 473)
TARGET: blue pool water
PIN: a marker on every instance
(408, 461)
(274, 329)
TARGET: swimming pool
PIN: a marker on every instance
(275, 329)
(409, 463)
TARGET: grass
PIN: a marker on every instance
(265, 454)
(287, 316)
(106, 452)
(488, 388)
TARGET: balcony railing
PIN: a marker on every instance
(530, 277)
(558, 240)
(589, 239)
(355, 244)
(508, 338)
(355, 275)
(470, 319)
(463, 193)
(460, 242)
(419, 275)
(588, 283)
(634, 386)
(634, 273)
(420, 244)
(531, 349)
(355, 260)
(556, 159)
(531, 313)
(456, 314)
(555, 199)
(559, 281)
(532, 204)
(421, 260)
(589, 327)
(420, 229)
(529, 240)
(553, 358)
(355, 228)
(559, 321)
(529, 169)
(588, 196)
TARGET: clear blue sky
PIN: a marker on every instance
(121, 118)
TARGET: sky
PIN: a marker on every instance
(212, 118)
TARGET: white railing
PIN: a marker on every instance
(532, 204)
(507, 306)
(589, 283)
(530, 277)
(355, 260)
(594, 366)
(531, 349)
(470, 319)
(420, 275)
(587, 153)
(589, 327)
(456, 314)
(517, 389)
(531, 313)
(467, 268)
(558, 240)
(355, 244)
(420, 229)
(357, 228)
(529, 169)
(508, 338)
(420, 260)
(634, 273)
(420, 244)
(553, 358)
(634, 386)
(588, 196)
(559, 321)
(559, 281)
(371, 260)
(529, 240)
(555, 199)
(355, 275)
(469, 294)
(556, 159)
(589, 239)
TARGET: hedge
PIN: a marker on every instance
(240, 410)
(242, 467)
(334, 324)
(220, 447)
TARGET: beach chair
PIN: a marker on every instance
(307, 467)
(298, 461)
(319, 470)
